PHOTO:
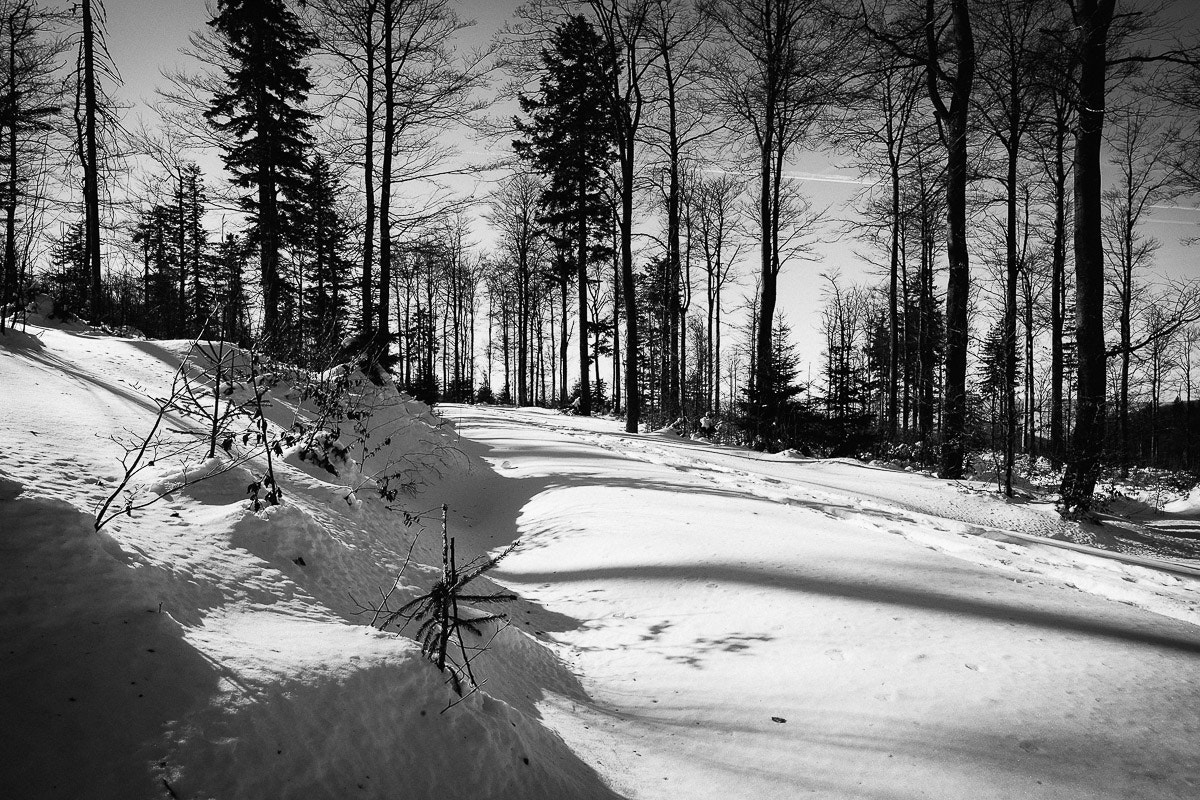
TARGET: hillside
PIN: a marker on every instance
(692, 621)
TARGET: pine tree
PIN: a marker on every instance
(195, 252)
(569, 140)
(261, 111)
(229, 291)
(767, 408)
(160, 301)
(70, 275)
(322, 233)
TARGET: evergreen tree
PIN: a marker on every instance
(229, 291)
(260, 111)
(69, 277)
(568, 139)
(322, 234)
(29, 100)
(994, 380)
(160, 301)
(195, 249)
(767, 409)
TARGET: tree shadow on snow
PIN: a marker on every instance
(1163, 634)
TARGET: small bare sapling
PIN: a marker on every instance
(439, 618)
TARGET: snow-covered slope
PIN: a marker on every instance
(695, 621)
(199, 649)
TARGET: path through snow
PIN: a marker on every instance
(750, 627)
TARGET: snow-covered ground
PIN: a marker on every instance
(695, 621)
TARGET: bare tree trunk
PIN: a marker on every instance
(616, 334)
(91, 178)
(1093, 18)
(368, 247)
(958, 282)
(581, 275)
(893, 399)
(1058, 291)
(382, 335)
(623, 30)
(522, 330)
(562, 340)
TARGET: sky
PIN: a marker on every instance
(145, 37)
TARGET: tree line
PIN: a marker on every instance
(641, 208)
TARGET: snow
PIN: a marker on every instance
(1189, 505)
(695, 620)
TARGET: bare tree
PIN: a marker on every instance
(941, 40)
(425, 91)
(93, 109)
(1010, 96)
(1101, 48)
(514, 213)
(624, 27)
(350, 35)
(878, 131)
(1053, 136)
(677, 36)
(781, 67)
(715, 200)
(1141, 148)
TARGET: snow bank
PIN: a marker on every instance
(1189, 505)
(198, 649)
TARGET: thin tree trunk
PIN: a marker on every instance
(1010, 314)
(1058, 268)
(581, 276)
(562, 340)
(616, 333)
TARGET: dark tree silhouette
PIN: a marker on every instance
(569, 140)
(260, 111)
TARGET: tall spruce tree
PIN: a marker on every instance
(568, 139)
(261, 113)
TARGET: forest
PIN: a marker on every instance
(620, 240)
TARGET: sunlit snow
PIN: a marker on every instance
(695, 621)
